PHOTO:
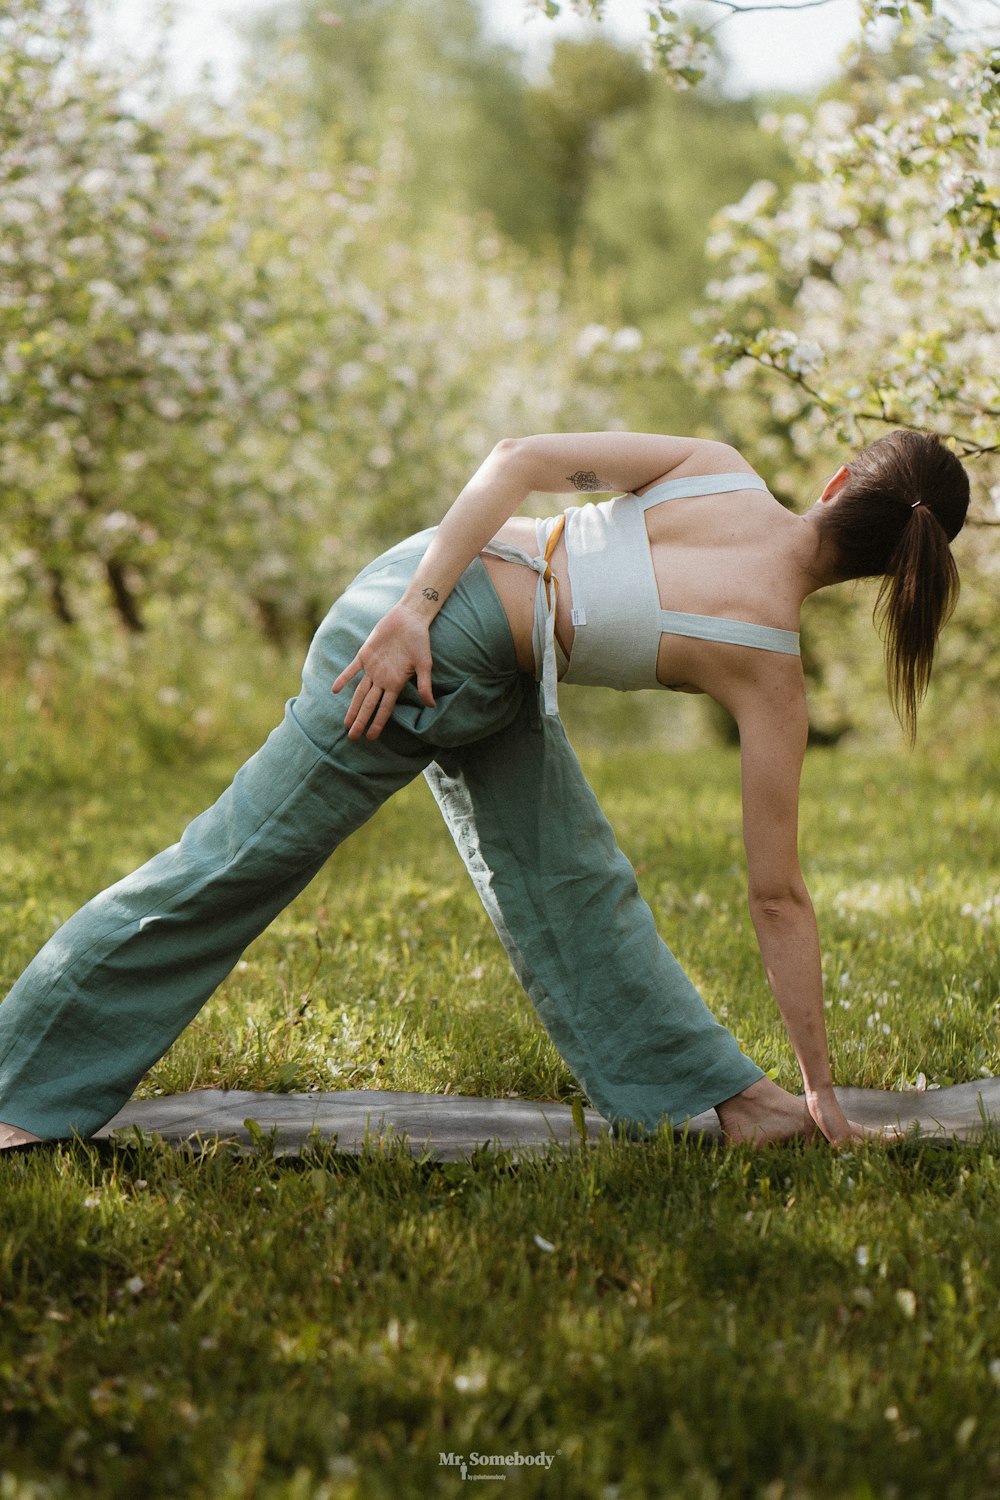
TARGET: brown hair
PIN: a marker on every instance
(904, 500)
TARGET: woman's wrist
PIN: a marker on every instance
(424, 603)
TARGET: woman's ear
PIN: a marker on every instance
(834, 484)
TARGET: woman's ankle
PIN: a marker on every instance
(763, 1093)
(763, 1111)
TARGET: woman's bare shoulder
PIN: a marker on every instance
(764, 691)
(706, 457)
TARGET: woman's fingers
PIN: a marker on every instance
(364, 704)
(860, 1132)
(397, 650)
(383, 715)
(351, 670)
(840, 1131)
(371, 709)
(354, 707)
(887, 1134)
(883, 1135)
(424, 683)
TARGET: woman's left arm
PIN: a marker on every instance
(773, 726)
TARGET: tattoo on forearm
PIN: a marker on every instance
(586, 479)
(431, 594)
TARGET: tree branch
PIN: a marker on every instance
(742, 10)
(969, 446)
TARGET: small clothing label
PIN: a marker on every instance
(578, 616)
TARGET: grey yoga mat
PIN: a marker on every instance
(449, 1127)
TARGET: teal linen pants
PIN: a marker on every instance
(113, 988)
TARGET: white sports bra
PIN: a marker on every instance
(616, 614)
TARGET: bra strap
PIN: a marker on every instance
(730, 632)
(699, 484)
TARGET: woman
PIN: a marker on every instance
(447, 634)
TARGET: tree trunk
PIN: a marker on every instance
(57, 598)
(272, 622)
(125, 600)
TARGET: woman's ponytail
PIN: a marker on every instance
(916, 596)
(904, 500)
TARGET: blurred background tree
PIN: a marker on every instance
(232, 364)
(242, 347)
(601, 169)
(862, 298)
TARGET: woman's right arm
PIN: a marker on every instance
(398, 647)
(554, 463)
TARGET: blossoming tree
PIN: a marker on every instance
(865, 298)
(225, 372)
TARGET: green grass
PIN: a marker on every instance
(789, 1325)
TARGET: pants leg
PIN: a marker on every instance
(565, 903)
(107, 995)
(111, 990)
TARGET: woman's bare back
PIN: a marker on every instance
(730, 555)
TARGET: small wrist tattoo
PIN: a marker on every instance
(586, 479)
(431, 594)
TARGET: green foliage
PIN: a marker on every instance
(228, 373)
(855, 289)
(590, 87)
(423, 71)
(861, 297)
(881, 255)
(242, 350)
(599, 158)
(479, 137)
(682, 41)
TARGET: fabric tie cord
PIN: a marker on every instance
(543, 635)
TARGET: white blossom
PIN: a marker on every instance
(214, 353)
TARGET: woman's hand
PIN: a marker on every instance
(829, 1118)
(398, 648)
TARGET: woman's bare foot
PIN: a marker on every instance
(11, 1135)
(764, 1113)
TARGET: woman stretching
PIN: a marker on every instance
(455, 639)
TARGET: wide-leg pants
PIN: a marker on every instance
(113, 988)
